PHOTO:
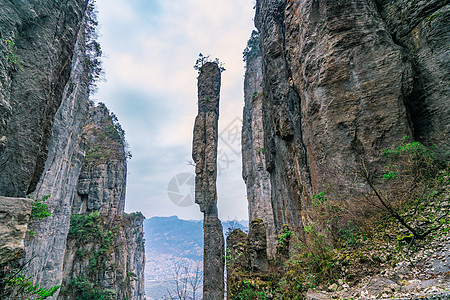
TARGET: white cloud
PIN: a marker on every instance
(151, 47)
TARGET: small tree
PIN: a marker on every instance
(187, 280)
(201, 60)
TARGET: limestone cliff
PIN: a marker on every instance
(37, 46)
(105, 250)
(254, 172)
(341, 81)
(47, 66)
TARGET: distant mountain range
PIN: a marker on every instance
(169, 240)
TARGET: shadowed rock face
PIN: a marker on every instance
(341, 81)
(204, 154)
(37, 45)
(421, 29)
(254, 170)
(45, 250)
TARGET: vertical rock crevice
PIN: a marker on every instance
(204, 154)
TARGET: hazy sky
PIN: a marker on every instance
(150, 47)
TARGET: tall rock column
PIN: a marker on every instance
(204, 153)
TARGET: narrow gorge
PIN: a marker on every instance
(344, 143)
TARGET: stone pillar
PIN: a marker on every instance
(204, 154)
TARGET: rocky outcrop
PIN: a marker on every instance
(247, 259)
(14, 217)
(37, 41)
(102, 182)
(341, 81)
(47, 65)
(254, 170)
(104, 250)
(204, 154)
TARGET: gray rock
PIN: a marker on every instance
(45, 250)
(14, 217)
(257, 247)
(421, 28)
(254, 172)
(204, 154)
(101, 189)
(34, 70)
(342, 81)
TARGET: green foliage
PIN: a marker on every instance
(24, 286)
(81, 288)
(253, 47)
(285, 236)
(92, 228)
(39, 209)
(93, 50)
(9, 47)
(15, 285)
(201, 60)
(249, 292)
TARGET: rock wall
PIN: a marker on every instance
(45, 73)
(45, 250)
(204, 154)
(254, 172)
(421, 29)
(341, 81)
(105, 249)
(14, 217)
(37, 40)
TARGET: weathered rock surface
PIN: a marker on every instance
(247, 258)
(421, 28)
(14, 217)
(38, 39)
(254, 170)
(45, 250)
(109, 257)
(102, 182)
(341, 81)
(204, 154)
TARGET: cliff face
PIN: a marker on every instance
(45, 250)
(341, 81)
(38, 39)
(104, 250)
(48, 151)
(254, 168)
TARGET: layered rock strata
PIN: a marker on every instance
(104, 246)
(204, 154)
(45, 250)
(14, 217)
(37, 41)
(254, 170)
(343, 80)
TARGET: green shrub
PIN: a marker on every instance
(39, 209)
(81, 288)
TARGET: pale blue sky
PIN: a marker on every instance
(150, 47)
